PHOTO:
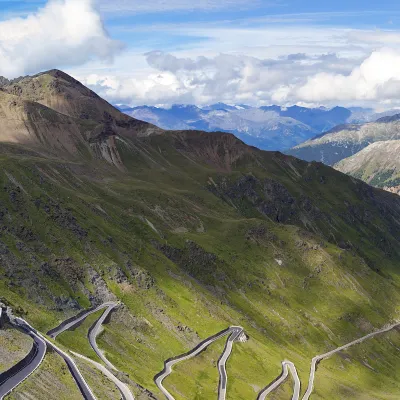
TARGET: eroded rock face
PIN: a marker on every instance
(268, 197)
(394, 189)
(64, 218)
(4, 81)
(195, 261)
(101, 293)
(260, 235)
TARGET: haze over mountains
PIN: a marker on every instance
(312, 134)
(268, 128)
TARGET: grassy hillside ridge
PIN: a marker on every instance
(377, 164)
(346, 140)
(145, 241)
(195, 232)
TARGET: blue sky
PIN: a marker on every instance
(163, 52)
(354, 13)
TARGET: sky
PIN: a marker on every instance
(257, 52)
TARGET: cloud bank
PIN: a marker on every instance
(63, 33)
(376, 79)
(295, 78)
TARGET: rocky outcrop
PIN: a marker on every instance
(268, 197)
(194, 260)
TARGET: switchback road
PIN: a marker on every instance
(124, 389)
(10, 379)
(314, 362)
(286, 367)
(79, 379)
(234, 333)
(72, 322)
(223, 377)
(95, 330)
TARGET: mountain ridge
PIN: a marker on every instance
(377, 164)
(193, 232)
(266, 127)
(346, 140)
(87, 124)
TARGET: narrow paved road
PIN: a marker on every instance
(70, 323)
(286, 367)
(159, 378)
(79, 379)
(316, 360)
(10, 379)
(223, 377)
(124, 389)
(314, 363)
(14, 378)
(96, 329)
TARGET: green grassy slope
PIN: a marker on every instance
(377, 164)
(198, 234)
(51, 381)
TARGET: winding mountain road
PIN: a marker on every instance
(96, 329)
(314, 363)
(21, 371)
(16, 375)
(286, 367)
(234, 333)
(10, 379)
(72, 322)
(316, 360)
(79, 379)
(124, 389)
(223, 377)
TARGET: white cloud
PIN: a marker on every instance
(224, 77)
(376, 79)
(63, 33)
(253, 61)
(375, 37)
(325, 79)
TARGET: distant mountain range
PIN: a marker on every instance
(268, 128)
(366, 151)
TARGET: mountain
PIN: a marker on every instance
(55, 114)
(361, 115)
(320, 119)
(193, 232)
(269, 128)
(62, 93)
(378, 164)
(346, 140)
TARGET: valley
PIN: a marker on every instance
(189, 233)
(267, 127)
